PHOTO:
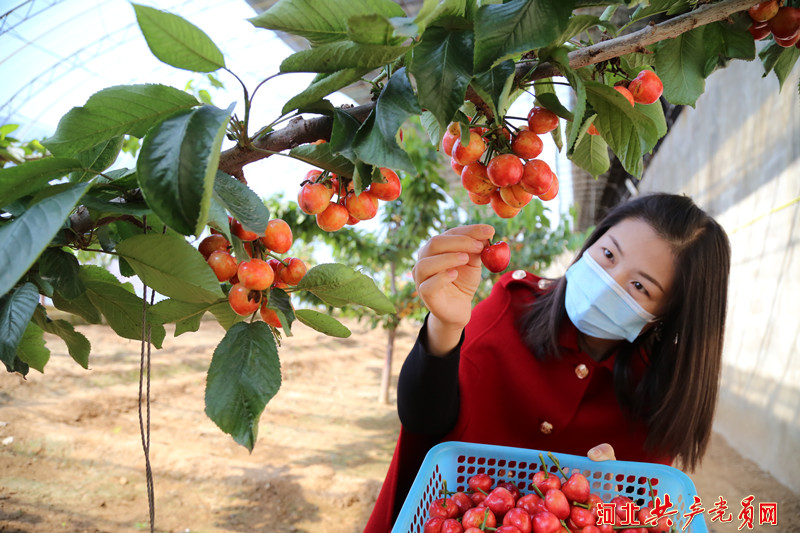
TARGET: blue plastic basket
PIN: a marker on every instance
(455, 462)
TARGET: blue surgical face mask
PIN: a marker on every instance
(599, 306)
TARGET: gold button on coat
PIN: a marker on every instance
(581, 371)
(546, 427)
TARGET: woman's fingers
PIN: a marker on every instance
(435, 264)
(602, 452)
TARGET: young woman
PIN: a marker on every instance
(620, 357)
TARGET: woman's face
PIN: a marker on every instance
(639, 260)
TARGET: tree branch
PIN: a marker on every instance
(300, 130)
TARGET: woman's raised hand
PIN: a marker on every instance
(447, 275)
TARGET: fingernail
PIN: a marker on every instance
(478, 246)
(463, 257)
(595, 452)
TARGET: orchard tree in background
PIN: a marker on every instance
(458, 65)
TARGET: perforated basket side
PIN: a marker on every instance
(454, 462)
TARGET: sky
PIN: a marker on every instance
(54, 54)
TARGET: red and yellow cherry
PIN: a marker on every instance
(313, 174)
(527, 144)
(213, 243)
(255, 274)
(223, 264)
(464, 155)
(278, 236)
(518, 518)
(787, 43)
(477, 517)
(500, 500)
(479, 199)
(502, 209)
(504, 170)
(291, 270)
(333, 218)
(496, 258)
(456, 166)
(541, 120)
(244, 301)
(576, 488)
(646, 87)
(443, 507)
(759, 30)
(449, 140)
(546, 522)
(313, 198)
(362, 206)
(552, 192)
(475, 179)
(388, 191)
(515, 195)
(270, 316)
(536, 177)
(763, 11)
(625, 92)
(243, 234)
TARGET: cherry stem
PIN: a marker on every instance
(652, 494)
(544, 467)
(538, 491)
(584, 505)
(558, 465)
(517, 118)
(444, 491)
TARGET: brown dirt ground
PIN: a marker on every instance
(75, 462)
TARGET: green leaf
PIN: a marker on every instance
(339, 285)
(433, 10)
(24, 238)
(372, 29)
(78, 345)
(177, 165)
(654, 7)
(244, 375)
(779, 59)
(323, 323)
(31, 349)
(628, 132)
(561, 59)
(432, 127)
(591, 154)
(30, 177)
(185, 315)
(332, 57)
(97, 159)
(171, 266)
(321, 22)
(16, 311)
(62, 269)
(546, 96)
(550, 101)
(177, 42)
(121, 308)
(375, 142)
(225, 315)
(578, 24)
(495, 85)
(344, 130)
(442, 68)
(505, 30)
(680, 63)
(281, 303)
(243, 203)
(320, 155)
(131, 109)
(322, 87)
(80, 306)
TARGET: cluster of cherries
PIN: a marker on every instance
(553, 507)
(783, 22)
(501, 168)
(252, 279)
(318, 189)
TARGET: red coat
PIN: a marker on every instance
(510, 398)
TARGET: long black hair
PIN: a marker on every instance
(677, 394)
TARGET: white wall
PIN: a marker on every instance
(738, 155)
